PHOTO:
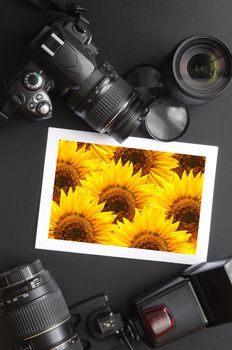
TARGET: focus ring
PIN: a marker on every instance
(109, 105)
(20, 275)
(38, 316)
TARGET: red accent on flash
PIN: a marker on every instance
(158, 320)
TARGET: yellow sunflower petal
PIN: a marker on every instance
(78, 217)
(149, 230)
(120, 190)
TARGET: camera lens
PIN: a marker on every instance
(108, 103)
(33, 310)
(198, 70)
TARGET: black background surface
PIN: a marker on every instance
(128, 32)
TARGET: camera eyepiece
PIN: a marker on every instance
(197, 70)
(33, 310)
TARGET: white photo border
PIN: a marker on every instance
(42, 240)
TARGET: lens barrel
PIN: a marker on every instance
(197, 70)
(108, 103)
(33, 310)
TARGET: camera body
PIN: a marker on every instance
(70, 60)
(28, 91)
(63, 56)
(65, 50)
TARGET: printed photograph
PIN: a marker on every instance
(128, 197)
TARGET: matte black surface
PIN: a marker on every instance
(128, 33)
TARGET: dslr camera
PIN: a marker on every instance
(64, 51)
(63, 57)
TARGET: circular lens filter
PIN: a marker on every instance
(146, 80)
(167, 119)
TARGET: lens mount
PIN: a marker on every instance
(198, 70)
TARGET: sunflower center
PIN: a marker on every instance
(120, 201)
(188, 163)
(193, 162)
(149, 241)
(139, 158)
(66, 176)
(74, 228)
(187, 211)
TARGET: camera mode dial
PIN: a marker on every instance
(33, 80)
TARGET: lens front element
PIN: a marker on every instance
(202, 70)
(198, 70)
(203, 67)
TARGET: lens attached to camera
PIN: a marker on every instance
(108, 103)
(198, 70)
(33, 310)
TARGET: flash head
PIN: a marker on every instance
(200, 297)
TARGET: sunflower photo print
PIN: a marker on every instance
(127, 197)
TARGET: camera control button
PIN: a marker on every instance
(39, 97)
(43, 108)
(31, 105)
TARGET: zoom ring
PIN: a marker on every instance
(38, 316)
(109, 105)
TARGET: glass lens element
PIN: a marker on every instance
(167, 119)
(203, 67)
(202, 70)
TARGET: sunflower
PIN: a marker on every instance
(188, 162)
(120, 190)
(149, 230)
(102, 152)
(78, 217)
(156, 165)
(181, 200)
(71, 167)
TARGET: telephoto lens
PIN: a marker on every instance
(34, 312)
(197, 70)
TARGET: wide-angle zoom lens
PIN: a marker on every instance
(108, 103)
(33, 310)
(198, 70)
